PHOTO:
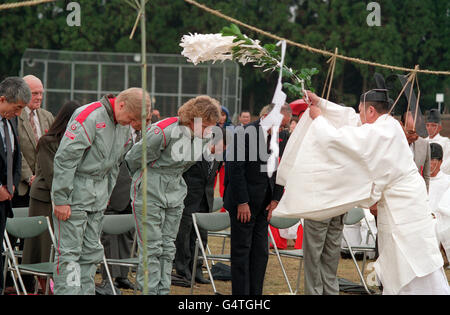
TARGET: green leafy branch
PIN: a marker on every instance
(267, 56)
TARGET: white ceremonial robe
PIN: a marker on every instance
(443, 222)
(445, 144)
(334, 164)
(438, 186)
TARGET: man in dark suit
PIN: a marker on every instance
(250, 197)
(14, 95)
(200, 180)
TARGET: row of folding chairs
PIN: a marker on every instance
(23, 227)
(218, 224)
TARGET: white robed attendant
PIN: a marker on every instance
(439, 184)
(445, 143)
(439, 197)
(443, 222)
(336, 160)
(434, 127)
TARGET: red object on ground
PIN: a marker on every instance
(299, 240)
(279, 241)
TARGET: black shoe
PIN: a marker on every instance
(105, 289)
(200, 279)
(123, 283)
(180, 281)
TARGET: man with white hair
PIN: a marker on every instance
(33, 122)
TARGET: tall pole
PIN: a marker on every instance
(144, 146)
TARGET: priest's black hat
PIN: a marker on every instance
(436, 151)
(434, 116)
(375, 95)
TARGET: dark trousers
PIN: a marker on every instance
(185, 243)
(2, 258)
(21, 201)
(249, 251)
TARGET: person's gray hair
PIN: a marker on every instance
(15, 90)
(285, 109)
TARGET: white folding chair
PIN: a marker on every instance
(216, 221)
(18, 213)
(218, 204)
(284, 223)
(115, 224)
(354, 216)
(28, 227)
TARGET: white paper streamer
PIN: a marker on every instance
(274, 119)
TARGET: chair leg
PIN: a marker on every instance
(109, 275)
(364, 262)
(12, 260)
(209, 252)
(47, 285)
(5, 273)
(279, 260)
(200, 243)
(36, 285)
(299, 275)
(135, 281)
(223, 244)
(194, 269)
(24, 290)
(207, 268)
(8, 265)
(361, 276)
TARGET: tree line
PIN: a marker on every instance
(411, 32)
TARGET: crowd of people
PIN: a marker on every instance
(86, 162)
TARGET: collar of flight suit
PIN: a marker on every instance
(109, 102)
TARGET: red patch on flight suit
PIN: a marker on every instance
(101, 125)
(73, 127)
(167, 122)
(164, 124)
(156, 131)
(69, 135)
(87, 111)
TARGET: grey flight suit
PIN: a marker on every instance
(166, 190)
(85, 171)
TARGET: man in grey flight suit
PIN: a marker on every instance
(85, 171)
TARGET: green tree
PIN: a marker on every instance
(411, 32)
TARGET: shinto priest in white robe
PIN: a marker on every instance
(334, 163)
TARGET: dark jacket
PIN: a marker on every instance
(199, 185)
(247, 181)
(120, 196)
(17, 165)
(42, 184)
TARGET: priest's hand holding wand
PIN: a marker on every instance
(313, 101)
